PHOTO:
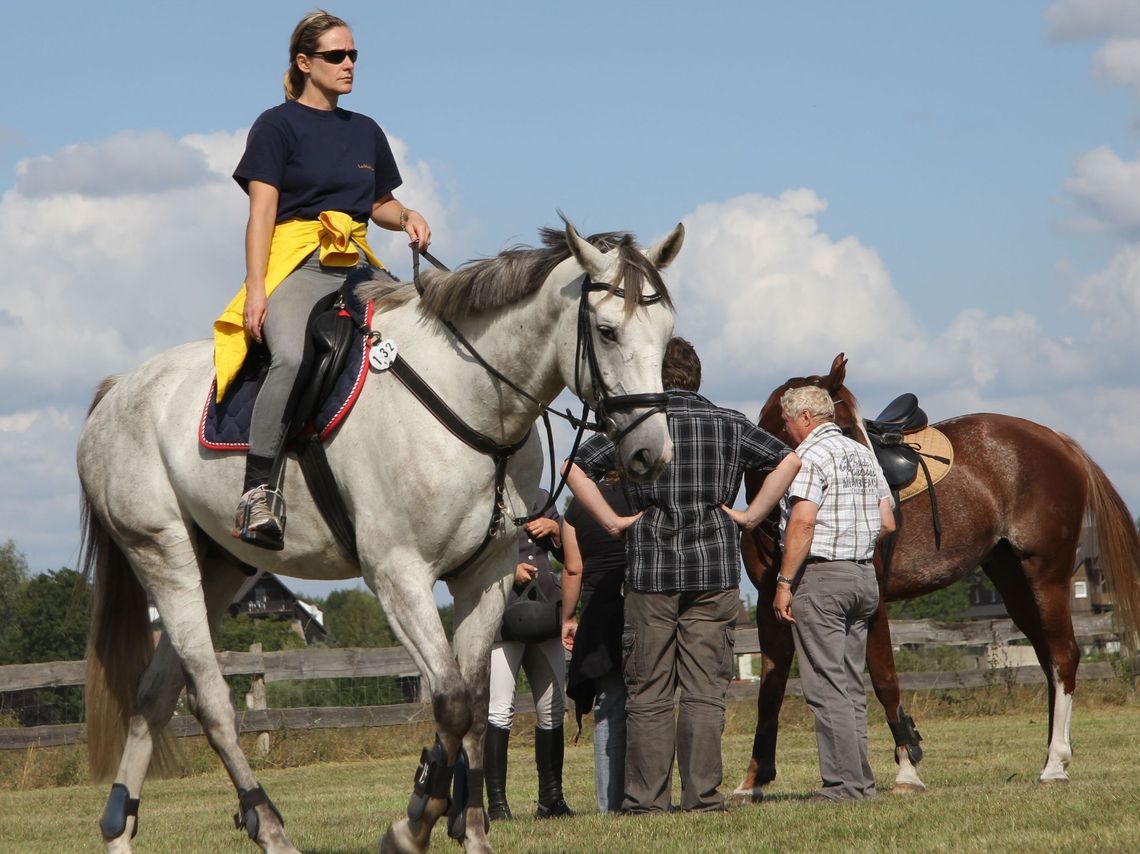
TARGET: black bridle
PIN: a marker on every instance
(605, 405)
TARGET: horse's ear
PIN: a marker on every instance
(837, 376)
(592, 259)
(662, 253)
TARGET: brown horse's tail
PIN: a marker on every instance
(119, 646)
(1119, 548)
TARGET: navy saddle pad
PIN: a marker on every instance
(225, 425)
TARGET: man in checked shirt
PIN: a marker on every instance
(838, 506)
(682, 580)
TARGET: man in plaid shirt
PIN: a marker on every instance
(682, 580)
(837, 507)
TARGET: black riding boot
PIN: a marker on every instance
(495, 772)
(549, 751)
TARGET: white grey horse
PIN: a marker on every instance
(158, 507)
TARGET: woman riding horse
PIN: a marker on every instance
(315, 174)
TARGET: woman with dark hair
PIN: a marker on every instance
(315, 175)
(594, 571)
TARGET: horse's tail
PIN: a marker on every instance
(119, 646)
(101, 392)
(1119, 547)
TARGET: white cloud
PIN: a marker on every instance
(996, 354)
(39, 492)
(1112, 298)
(1108, 189)
(129, 163)
(1119, 61)
(1090, 19)
(763, 293)
(764, 290)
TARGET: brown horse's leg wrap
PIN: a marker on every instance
(906, 735)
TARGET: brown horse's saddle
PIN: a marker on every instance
(903, 442)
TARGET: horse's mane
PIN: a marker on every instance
(515, 273)
(852, 404)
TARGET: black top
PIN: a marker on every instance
(597, 643)
(601, 553)
(319, 160)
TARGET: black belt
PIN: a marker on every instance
(813, 559)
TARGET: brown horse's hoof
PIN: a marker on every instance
(745, 797)
(908, 789)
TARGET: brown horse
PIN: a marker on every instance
(1014, 503)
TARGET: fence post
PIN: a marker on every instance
(255, 701)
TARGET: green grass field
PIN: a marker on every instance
(980, 767)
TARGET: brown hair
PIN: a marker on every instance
(682, 367)
(306, 36)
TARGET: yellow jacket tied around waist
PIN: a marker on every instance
(340, 238)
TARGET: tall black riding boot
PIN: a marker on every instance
(549, 751)
(495, 772)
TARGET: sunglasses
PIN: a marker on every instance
(336, 57)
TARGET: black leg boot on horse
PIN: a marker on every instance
(549, 752)
(495, 770)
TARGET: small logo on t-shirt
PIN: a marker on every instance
(367, 166)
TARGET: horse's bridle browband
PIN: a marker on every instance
(605, 405)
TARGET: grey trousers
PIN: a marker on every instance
(671, 641)
(832, 605)
(290, 305)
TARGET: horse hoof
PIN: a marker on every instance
(745, 797)
(908, 789)
(477, 846)
(1062, 777)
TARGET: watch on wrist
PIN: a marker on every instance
(780, 579)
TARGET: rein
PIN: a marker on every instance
(606, 405)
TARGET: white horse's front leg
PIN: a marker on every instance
(1060, 749)
(414, 617)
(479, 612)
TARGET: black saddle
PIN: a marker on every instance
(335, 328)
(898, 460)
(331, 334)
(901, 415)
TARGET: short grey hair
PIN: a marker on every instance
(812, 398)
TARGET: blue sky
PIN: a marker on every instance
(949, 193)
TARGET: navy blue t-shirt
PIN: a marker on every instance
(319, 160)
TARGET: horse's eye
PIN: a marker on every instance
(608, 333)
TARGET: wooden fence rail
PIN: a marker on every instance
(395, 661)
